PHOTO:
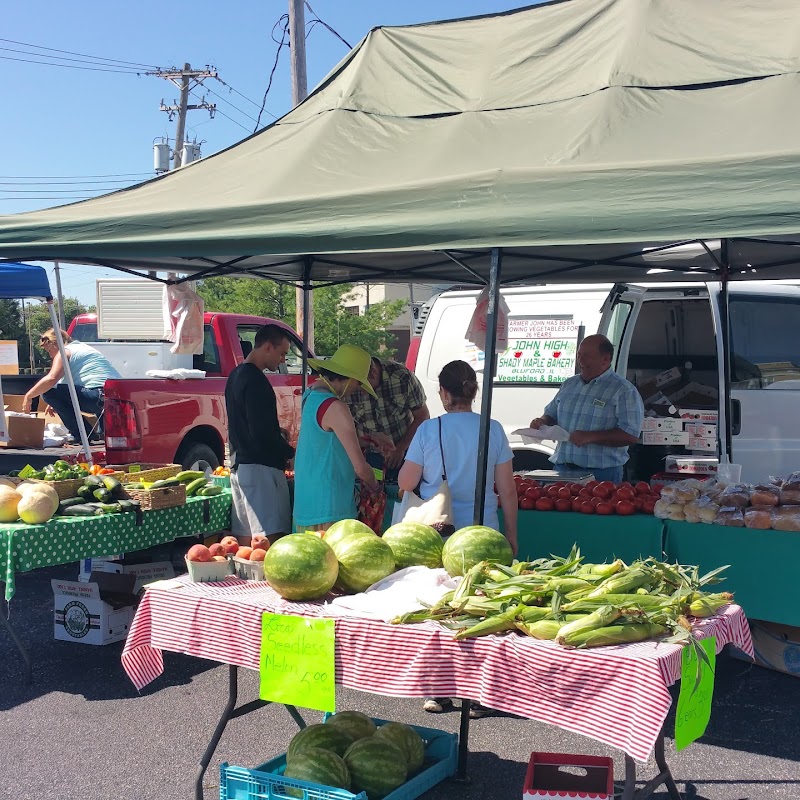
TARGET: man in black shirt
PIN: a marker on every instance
(259, 451)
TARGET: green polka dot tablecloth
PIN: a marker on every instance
(65, 539)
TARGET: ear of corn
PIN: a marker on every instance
(708, 605)
(543, 629)
(613, 634)
(603, 616)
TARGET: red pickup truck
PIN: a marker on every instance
(184, 422)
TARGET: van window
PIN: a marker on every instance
(616, 326)
(764, 341)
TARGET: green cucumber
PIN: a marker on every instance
(164, 482)
(189, 475)
(82, 511)
(68, 503)
(134, 486)
(195, 486)
(208, 491)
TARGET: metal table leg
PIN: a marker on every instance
(232, 712)
(664, 777)
(463, 742)
(4, 611)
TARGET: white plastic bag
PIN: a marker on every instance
(476, 330)
(185, 309)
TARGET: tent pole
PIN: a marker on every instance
(59, 295)
(306, 295)
(70, 382)
(488, 382)
(725, 324)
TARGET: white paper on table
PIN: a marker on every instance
(552, 432)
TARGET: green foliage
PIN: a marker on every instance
(332, 324)
(37, 321)
(11, 327)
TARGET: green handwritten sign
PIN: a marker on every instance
(297, 661)
(694, 700)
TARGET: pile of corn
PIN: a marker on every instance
(578, 604)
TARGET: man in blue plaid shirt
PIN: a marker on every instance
(601, 410)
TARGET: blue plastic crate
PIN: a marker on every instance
(266, 782)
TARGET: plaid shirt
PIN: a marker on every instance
(399, 394)
(606, 402)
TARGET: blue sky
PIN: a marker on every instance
(70, 133)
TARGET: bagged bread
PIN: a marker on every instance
(786, 518)
(701, 510)
(758, 517)
(682, 491)
(731, 516)
(736, 495)
(790, 490)
(765, 494)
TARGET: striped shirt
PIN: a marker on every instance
(604, 403)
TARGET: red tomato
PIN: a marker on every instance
(587, 508)
(604, 508)
(625, 484)
(595, 501)
(518, 479)
(610, 485)
(544, 504)
(552, 492)
(624, 493)
(526, 504)
(560, 484)
(577, 502)
(625, 508)
(574, 488)
(649, 506)
(592, 484)
(602, 491)
(563, 504)
(585, 493)
(638, 503)
(642, 487)
(564, 492)
(533, 493)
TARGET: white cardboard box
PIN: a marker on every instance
(699, 415)
(144, 573)
(702, 443)
(660, 437)
(98, 612)
(663, 424)
(701, 429)
(692, 465)
(98, 564)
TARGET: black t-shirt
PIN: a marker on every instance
(254, 434)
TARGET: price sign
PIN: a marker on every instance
(297, 661)
(694, 700)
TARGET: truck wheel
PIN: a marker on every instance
(199, 456)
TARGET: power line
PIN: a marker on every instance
(285, 20)
(65, 58)
(236, 91)
(225, 100)
(220, 111)
(322, 22)
(85, 55)
(72, 66)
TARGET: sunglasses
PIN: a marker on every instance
(44, 340)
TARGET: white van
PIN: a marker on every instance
(666, 342)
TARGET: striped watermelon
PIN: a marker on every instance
(414, 544)
(300, 567)
(466, 547)
(363, 560)
(376, 766)
(355, 724)
(316, 765)
(327, 737)
(407, 740)
(343, 528)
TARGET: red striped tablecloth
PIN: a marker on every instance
(617, 695)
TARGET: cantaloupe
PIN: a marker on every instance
(9, 500)
(35, 508)
(26, 487)
(7, 482)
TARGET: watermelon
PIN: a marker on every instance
(363, 560)
(466, 547)
(327, 737)
(376, 766)
(354, 723)
(414, 544)
(343, 528)
(300, 567)
(316, 765)
(407, 740)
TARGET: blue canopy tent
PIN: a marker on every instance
(28, 280)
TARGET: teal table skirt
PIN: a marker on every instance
(763, 565)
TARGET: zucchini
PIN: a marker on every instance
(164, 483)
(94, 481)
(128, 505)
(85, 492)
(109, 508)
(189, 475)
(195, 486)
(68, 503)
(208, 491)
(102, 495)
(134, 486)
(112, 484)
(83, 510)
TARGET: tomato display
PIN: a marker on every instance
(595, 497)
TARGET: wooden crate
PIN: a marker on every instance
(154, 499)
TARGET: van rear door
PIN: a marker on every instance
(618, 320)
(765, 377)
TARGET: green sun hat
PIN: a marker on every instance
(349, 361)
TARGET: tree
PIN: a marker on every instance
(12, 328)
(333, 325)
(37, 321)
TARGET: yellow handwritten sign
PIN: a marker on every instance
(297, 661)
(694, 700)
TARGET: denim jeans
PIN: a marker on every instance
(89, 400)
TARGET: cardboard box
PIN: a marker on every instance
(97, 613)
(660, 383)
(660, 479)
(776, 646)
(660, 437)
(565, 775)
(707, 415)
(663, 424)
(702, 443)
(692, 465)
(97, 564)
(143, 573)
(27, 431)
(700, 429)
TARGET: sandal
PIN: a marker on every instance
(435, 705)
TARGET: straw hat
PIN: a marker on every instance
(350, 362)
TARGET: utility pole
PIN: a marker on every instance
(61, 318)
(297, 51)
(185, 79)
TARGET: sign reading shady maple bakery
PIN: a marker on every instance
(540, 350)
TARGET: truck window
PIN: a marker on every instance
(764, 346)
(294, 359)
(208, 360)
(247, 337)
(85, 332)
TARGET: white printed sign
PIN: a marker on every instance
(3, 426)
(540, 350)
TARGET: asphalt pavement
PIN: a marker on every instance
(81, 731)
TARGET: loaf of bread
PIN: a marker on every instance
(730, 516)
(790, 490)
(735, 495)
(682, 491)
(786, 518)
(759, 517)
(765, 494)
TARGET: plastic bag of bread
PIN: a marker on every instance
(786, 518)
(736, 495)
(790, 490)
(701, 510)
(731, 516)
(664, 509)
(682, 491)
(765, 494)
(758, 517)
